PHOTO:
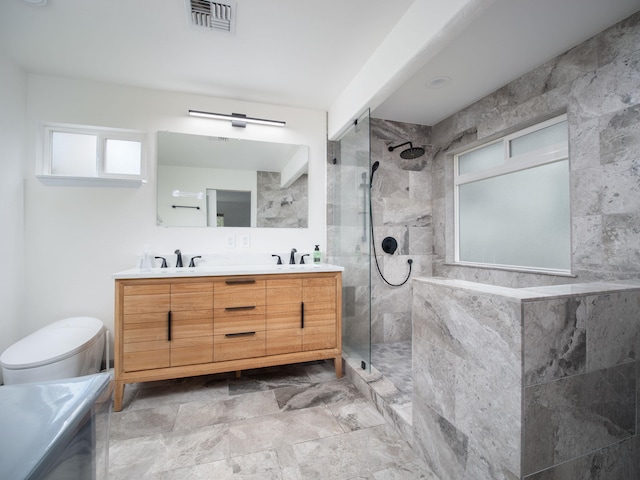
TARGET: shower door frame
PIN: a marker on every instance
(352, 237)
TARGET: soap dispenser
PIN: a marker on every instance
(147, 259)
(316, 254)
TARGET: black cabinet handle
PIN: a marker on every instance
(248, 307)
(169, 326)
(242, 281)
(241, 334)
(301, 314)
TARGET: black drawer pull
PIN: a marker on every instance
(241, 334)
(302, 315)
(240, 281)
(169, 326)
(248, 307)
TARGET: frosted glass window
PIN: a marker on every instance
(515, 212)
(518, 219)
(122, 157)
(551, 135)
(89, 155)
(73, 154)
(481, 158)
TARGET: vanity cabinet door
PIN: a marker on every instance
(319, 296)
(145, 343)
(284, 316)
(191, 323)
(239, 319)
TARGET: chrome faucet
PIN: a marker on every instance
(179, 258)
(292, 258)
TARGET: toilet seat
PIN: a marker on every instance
(52, 343)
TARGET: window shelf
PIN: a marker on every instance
(67, 181)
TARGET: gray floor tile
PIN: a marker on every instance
(288, 423)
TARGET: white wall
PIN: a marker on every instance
(13, 98)
(76, 237)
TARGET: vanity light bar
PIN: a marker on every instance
(237, 119)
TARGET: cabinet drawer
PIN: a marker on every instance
(243, 319)
(286, 340)
(319, 338)
(233, 294)
(240, 346)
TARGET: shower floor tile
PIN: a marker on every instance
(393, 361)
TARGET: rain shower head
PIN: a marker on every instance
(409, 153)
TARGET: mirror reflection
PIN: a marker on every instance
(208, 181)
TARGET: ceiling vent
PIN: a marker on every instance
(213, 15)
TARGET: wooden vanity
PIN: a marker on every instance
(184, 326)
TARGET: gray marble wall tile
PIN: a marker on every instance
(555, 339)
(396, 327)
(620, 136)
(565, 420)
(278, 206)
(616, 462)
(613, 333)
(444, 448)
(619, 40)
(466, 348)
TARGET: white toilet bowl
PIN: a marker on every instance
(68, 348)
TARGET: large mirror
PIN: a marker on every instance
(224, 182)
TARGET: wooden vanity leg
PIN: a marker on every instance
(337, 361)
(118, 394)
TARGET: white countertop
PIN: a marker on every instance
(214, 270)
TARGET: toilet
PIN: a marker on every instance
(68, 348)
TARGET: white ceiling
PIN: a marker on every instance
(295, 52)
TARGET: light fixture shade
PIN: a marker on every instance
(237, 119)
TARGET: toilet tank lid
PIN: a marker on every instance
(53, 342)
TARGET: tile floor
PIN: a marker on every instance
(393, 361)
(288, 423)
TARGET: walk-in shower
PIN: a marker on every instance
(370, 294)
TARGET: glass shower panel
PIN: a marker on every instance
(351, 191)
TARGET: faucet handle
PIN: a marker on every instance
(164, 262)
(302, 258)
(279, 259)
(192, 263)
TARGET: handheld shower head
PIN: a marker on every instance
(374, 167)
(409, 153)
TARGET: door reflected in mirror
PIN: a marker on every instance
(222, 182)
